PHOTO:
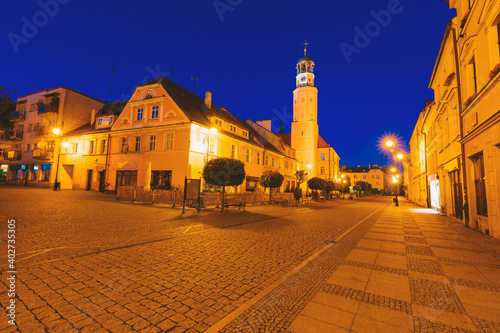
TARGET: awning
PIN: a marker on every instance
(15, 166)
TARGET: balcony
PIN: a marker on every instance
(18, 116)
(13, 155)
(47, 108)
(42, 131)
(42, 154)
(12, 135)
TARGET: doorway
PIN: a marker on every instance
(89, 180)
(456, 188)
(102, 181)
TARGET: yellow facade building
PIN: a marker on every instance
(162, 135)
(458, 134)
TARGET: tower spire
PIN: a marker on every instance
(305, 47)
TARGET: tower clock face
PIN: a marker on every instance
(303, 79)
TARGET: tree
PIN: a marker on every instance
(223, 171)
(5, 107)
(330, 186)
(316, 183)
(271, 179)
(346, 185)
(301, 177)
(356, 188)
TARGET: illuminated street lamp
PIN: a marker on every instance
(391, 144)
(58, 131)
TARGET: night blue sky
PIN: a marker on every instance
(245, 54)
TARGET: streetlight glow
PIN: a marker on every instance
(389, 143)
(309, 166)
(56, 131)
(393, 169)
(65, 144)
(400, 156)
(213, 131)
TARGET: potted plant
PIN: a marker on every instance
(464, 20)
(495, 71)
(449, 79)
(469, 100)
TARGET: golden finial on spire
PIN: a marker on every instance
(305, 47)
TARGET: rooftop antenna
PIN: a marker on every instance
(171, 73)
(194, 79)
(305, 47)
(112, 79)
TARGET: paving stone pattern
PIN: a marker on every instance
(452, 277)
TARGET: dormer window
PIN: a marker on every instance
(233, 128)
(245, 134)
(218, 122)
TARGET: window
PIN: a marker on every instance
(378, 177)
(373, 176)
(364, 176)
(33, 107)
(233, 128)
(126, 178)
(213, 146)
(92, 148)
(481, 203)
(233, 151)
(28, 146)
(267, 160)
(104, 146)
(74, 147)
(323, 157)
(124, 144)
(152, 142)
(258, 158)
(272, 162)
(322, 170)
(30, 128)
(37, 125)
(161, 179)
(498, 35)
(218, 122)
(248, 156)
(474, 74)
(154, 112)
(245, 134)
(169, 141)
(286, 165)
(355, 176)
(139, 114)
(137, 143)
(50, 146)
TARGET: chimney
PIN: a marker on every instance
(92, 117)
(369, 166)
(359, 166)
(208, 99)
(265, 123)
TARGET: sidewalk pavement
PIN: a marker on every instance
(414, 271)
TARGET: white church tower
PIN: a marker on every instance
(304, 136)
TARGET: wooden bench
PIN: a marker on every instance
(238, 204)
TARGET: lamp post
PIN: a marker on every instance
(391, 144)
(57, 185)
